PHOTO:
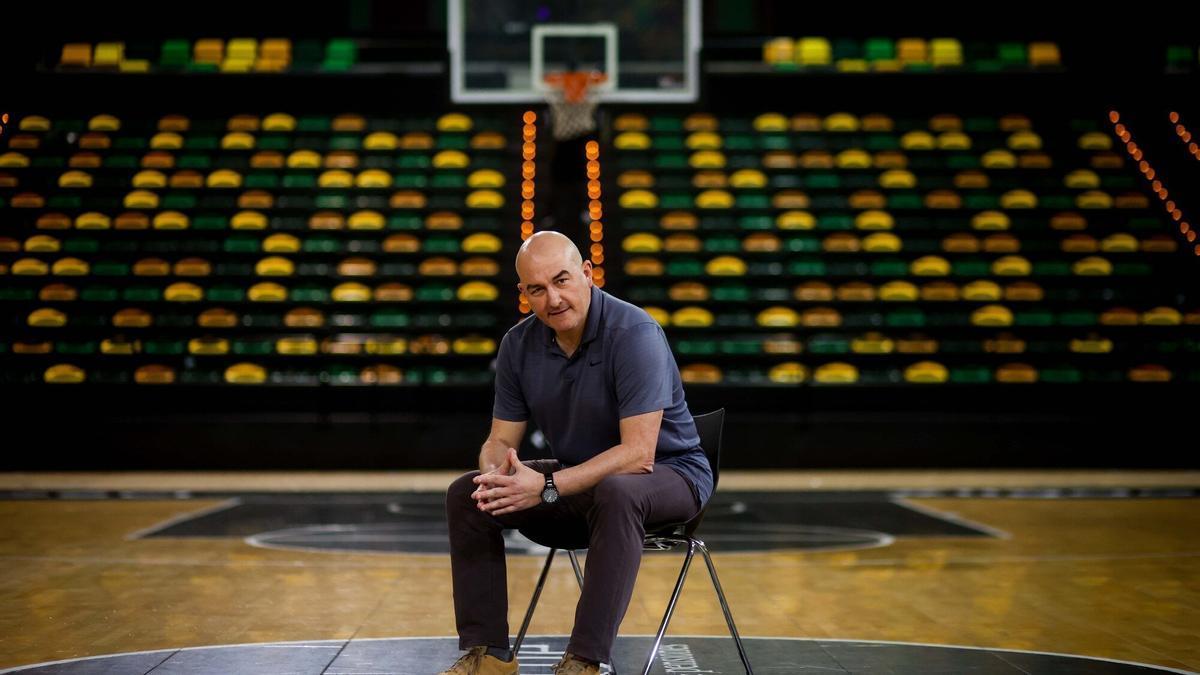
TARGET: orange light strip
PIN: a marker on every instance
(1185, 136)
(528, 190)
(3, 123)
(1156, 184)
(595, 212)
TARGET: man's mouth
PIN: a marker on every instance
(559, 311)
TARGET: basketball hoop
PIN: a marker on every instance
(572, 103)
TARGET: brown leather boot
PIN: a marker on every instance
(477, 662)
(572, 665)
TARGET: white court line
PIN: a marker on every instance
(175, 520)
(339, 644)
(950, 517)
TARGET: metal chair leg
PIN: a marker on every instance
(662, 628)
(537, 592)
(575, 565)
(737, 639)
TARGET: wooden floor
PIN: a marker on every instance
(1113, 578)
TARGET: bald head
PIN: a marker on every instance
(548, 249)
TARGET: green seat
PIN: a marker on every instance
(905, 318)
(879, 49)
(308, 293)
(722, 244)
(435, 293)
(970, 375)
(60, 201)
(175, 54)
(730, 293)
(1033, 318)
(404, 223)
(675, 200)
(971, 268)
(1077, 317)
(696, 347)
(242, 243)
(802, 245)
(340, 55)
(210, 222)
(174, 321)
(448, 180)
(310, 124)
(889, 268)
(335, 201)
(99, 294)
(225, 293)
(81, 245)
(671, 162)
(664, 124)
(390, 318)
(686, 267)
(812, 267)
(441, 244)
(252, 347)
(17, 294)
(110, 268)
(828, 344)
(752, 201)
(164, 347)
(741, 347)
(141, 294)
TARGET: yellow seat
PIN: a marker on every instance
(475, 345)
(748, 179)
(154, 374)
(351, 291)
(881, 242)
(401, 243)
(643, 266)
(141, 199)
(703, 140)
(725, 266)
(981, 290)
(335, 179)
(841, 122)
(707, 159)
(349, 123)
(692, 317)
(1044, 54)
(477, 291)
(1016, 373)
(873, 219)
(1162, 316)
(75, 179)
(381, 140)
(926, 372)
(795, 220)
(688, 291)
(208, 50)
(217, 317)
(778, 317)
(1119, 243)
(281, 242)
(998, 159)
(853, 158)
(46, 317)
(132, 318)
(1094, 199)
(454, 122)
(69, 267)
(237, 140)
(642, 242)
(1018, 199)
(149, 179)
(714, 199)
(64, 373)
(918, 140)
(408, 199)
(373, 179)
(443, 220)
(274, 266)
(245, 373)
(451, 159)
(1012, 265)
(836, 373)
(488, 140)
(267, 291)
(224, 178)
(631, 122)
(208, 346)
(1095, 140)
(298, 345)
(1084, 179)
(700, 373)
(365, 220)
(992, 315)
(788, 372)
(76, 55)
(990, 220)
(304, 159)
(638, 199)
(183, 291)
(813, 51)
(1090, 345)
(106, 123)
(682, 243)
(42, 243)
(485, 199)
(170, 220)
(930, 265)
(278, 121)
(660, 315)
(438, 266)
(192, 267)
(898, 291)
(1024, 140)
(770, 123)
(166, 140)
(248, 220)
(485, 178)
(897, 179)
(953, 140)
(1092, 266)
(762, 242)
(13, 160)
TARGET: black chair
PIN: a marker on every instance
(709, 426)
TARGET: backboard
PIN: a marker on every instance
(501, 50)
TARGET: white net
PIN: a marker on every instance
(571, 120)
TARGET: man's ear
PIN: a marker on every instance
(587, 272)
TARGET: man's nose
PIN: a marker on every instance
(553, 297)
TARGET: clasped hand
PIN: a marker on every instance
(508, 488)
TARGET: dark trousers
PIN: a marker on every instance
(609, 520)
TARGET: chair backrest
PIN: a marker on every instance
(710, 426)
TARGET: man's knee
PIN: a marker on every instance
(460, 490)
(616, 492)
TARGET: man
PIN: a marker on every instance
(596, 375)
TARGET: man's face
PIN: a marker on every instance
(559, 290)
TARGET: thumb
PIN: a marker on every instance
(512, 456)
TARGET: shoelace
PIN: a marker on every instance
(470, 661)
(572, 666)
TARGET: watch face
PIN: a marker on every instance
(549, 495)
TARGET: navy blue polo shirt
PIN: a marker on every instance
(622, 367)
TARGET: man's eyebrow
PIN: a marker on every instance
(556, 276)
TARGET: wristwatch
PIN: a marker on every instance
(550, 492)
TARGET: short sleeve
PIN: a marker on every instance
(643, 370)
(510, 402)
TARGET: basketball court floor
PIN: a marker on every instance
(826, 572)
